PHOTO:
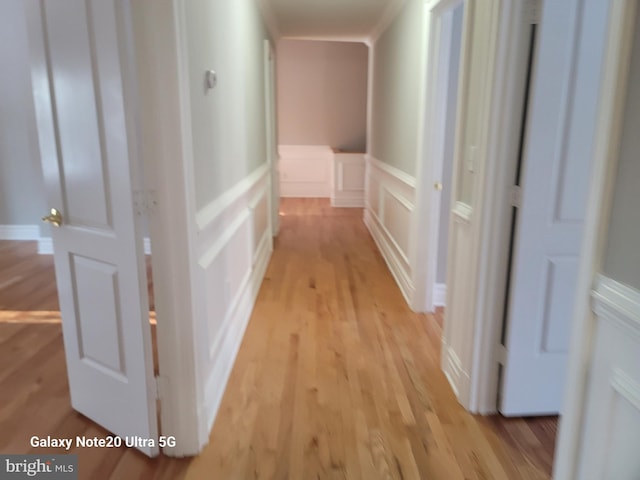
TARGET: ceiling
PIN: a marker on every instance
(356, 20)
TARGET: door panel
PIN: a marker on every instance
(85, 122)
(549, 227)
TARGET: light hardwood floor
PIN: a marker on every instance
(335, 378)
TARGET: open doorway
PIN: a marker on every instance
(448, 58)
(322, 120)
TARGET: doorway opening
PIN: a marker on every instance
(448, 70)
(322, 95)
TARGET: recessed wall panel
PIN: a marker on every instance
(96, 310)
(561, 276)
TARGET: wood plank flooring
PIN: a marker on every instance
(336, 377)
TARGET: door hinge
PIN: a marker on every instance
(516, 196)
(501, 354)
(158, 386)
(533, 12)
(144, 202)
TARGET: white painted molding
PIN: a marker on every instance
(626, 387)
(270, 19)
(19, 232)
(456, 375)
(392, 255)
(462, 212)
(348, 185)
(617, 303)
(390, 220)
(233, 248)
(331, 38)
(439, 295)
(403, 177)
(45, 246)
(228, 344)
(212, 210)
(389, 14)
(306, 170)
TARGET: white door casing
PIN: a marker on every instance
(432, 128)
(555, 182)
(85, 108)
(271, 123)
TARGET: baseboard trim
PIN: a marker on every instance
(19, 232)
(439, 295)
(391, 254)
(45, 246)
(348, 202)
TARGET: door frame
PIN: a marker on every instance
(271, 123)
(511, 69)
(430, 161)
(618, 37)
(487, 221)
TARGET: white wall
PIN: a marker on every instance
(322, 94)
(228, 121)
(622, 259)
(399, 61)
(22, 199)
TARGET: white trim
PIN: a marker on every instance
(270, 19)
(439, 295)
(617, 303)
(330, 38)
(355, 201)
(233, 249)
(625, 386)
(271, 120)
(19, 232)
(392, 254)
(208, 214)
(306, 171)
(228, 343)
(389, 14)
(165, 128)
(393, 185)
(489, 219)
(45, 246)
(462, 212)
(619, 39)
(404, 177)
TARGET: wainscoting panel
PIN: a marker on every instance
(305, 170)
(234, 245)
(457, 336)
(348, 182)
(389, 206)
(612, 416)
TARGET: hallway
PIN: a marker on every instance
(337, 378)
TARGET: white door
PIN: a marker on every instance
(271, 120)
(554, 182)
(85, 122)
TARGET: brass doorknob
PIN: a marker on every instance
(437, 186)
(54, 218)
